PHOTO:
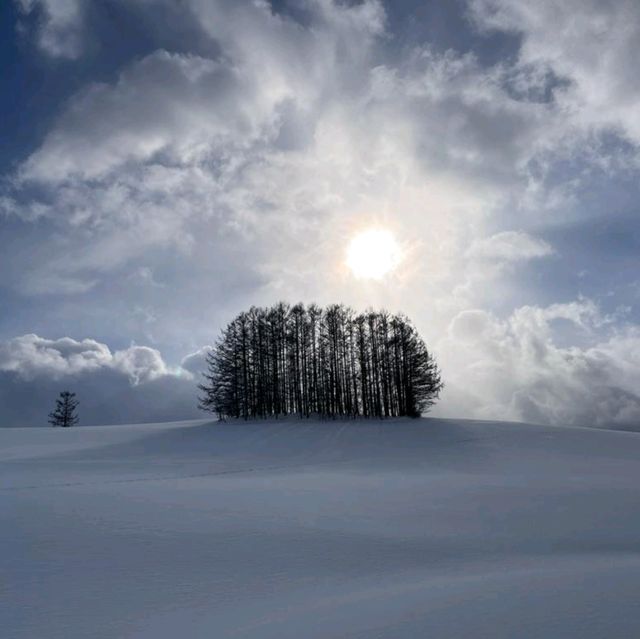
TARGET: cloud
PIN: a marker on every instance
(516, 369)
(291, 132)
(182, 108)
(31, 356)
(59, 32)
(592, 44)
(199, 178)
(125, 386)
(196, 362)
(170, 107)
(510, 246)
(182, 147)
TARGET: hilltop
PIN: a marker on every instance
(401, 528)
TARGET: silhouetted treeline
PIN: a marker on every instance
(331, 362)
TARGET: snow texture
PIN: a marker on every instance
(304, 529)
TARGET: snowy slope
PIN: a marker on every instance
(297, 529)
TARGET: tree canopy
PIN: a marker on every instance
(305, 360)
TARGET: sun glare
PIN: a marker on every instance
(372, 254)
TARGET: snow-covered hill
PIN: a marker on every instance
(305, 529)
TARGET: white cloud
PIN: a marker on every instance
(60, 29)
(590, 43)
(510, 246)
(126, 386)
(140, 363)
(178, 105)
(292, 133)
(516, 369)
(30, 357)
(180, 140)
(196, 363)
(287, 137)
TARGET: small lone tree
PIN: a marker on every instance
(65, 413)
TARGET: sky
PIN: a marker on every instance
(167, 164)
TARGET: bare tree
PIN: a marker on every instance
(332, 362)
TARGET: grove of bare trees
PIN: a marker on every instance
(305, 360)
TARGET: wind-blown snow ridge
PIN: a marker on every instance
(295, 528)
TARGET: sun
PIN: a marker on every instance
(373, 253)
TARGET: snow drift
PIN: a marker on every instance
(400, 529)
